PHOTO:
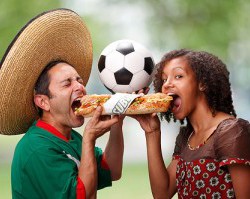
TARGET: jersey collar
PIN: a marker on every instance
(51, 129)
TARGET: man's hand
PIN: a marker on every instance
(99, 125)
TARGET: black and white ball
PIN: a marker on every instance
(125, 66)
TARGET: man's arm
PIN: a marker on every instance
(96, 127)
(114, 150)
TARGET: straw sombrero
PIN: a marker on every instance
(56, 34)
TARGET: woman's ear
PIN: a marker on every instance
(202, 87)
(42, 101)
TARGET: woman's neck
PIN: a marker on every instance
(202, 119)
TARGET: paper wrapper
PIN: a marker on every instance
(119, 103)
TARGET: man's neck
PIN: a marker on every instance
(64, 130)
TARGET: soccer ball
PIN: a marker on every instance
(125, 66)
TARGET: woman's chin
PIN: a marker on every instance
(179, 116)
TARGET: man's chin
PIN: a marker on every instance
(78, 122)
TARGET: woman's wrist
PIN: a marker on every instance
(153, 133)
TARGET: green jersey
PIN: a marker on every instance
(45, 164)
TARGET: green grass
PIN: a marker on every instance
(133, 184)
(5, 188)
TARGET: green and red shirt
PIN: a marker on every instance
(45, 165)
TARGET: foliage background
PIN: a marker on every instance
(220, 27)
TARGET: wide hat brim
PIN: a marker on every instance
(54, 35)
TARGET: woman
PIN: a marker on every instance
(212, 153)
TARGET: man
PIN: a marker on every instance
(48, 64)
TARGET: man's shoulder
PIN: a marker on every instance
(34, 139)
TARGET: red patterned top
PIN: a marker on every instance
(203, 173)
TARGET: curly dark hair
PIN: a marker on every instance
(210, 71)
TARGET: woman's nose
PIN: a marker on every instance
(167, 84)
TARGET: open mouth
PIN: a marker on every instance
(76, 104)
(176, 103)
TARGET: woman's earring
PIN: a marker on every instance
(202, 88)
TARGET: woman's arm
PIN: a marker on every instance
(240, 175)
(162, 179)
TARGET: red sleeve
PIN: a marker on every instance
(80, 189)
(230, 161)
(104, 164)
(176, 157)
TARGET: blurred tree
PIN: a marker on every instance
(15, 14)
(219, 27)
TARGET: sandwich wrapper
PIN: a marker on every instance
(119, 103)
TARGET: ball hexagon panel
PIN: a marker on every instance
(140, 49)
(134, 62)
(107, 74)
(144, 78)
(123, 89)
(114, 61)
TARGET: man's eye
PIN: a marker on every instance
(67, 85)
(80, 81)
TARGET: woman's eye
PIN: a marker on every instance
(164, 80)
(178, 76)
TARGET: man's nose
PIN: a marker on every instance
(79, 87)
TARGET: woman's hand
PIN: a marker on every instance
(149, 122)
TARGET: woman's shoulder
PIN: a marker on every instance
(232, 131)
(232, 139)
(234, 125)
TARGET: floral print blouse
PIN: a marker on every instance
(203, 173)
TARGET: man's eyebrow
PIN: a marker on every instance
(65, 80)
(70, 79)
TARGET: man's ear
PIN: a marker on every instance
(42, 101)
